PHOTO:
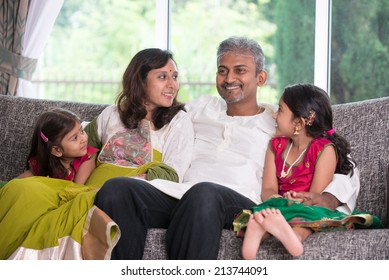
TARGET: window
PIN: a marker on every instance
(359, 50)
(91, 44)
(94, 40)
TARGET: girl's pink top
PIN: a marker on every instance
(300, 177)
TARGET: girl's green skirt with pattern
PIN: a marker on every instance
(316, 218)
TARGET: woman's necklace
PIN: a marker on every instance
(283, 173)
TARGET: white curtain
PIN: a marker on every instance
(40, 21)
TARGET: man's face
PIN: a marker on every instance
(236, 77)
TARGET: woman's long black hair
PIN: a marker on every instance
(303, 98)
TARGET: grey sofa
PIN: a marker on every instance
(365, 124)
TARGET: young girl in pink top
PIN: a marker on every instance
(302, 157)
(59, 148)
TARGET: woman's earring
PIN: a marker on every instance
(296, 132)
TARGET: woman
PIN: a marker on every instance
(147, 134)
(147, 126)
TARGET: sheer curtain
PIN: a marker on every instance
(40, 21)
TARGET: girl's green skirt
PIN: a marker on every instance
(316, 218)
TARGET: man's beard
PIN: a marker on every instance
(231, 96)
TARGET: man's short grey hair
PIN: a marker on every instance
(242, 45)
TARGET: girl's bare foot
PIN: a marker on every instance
(252, 238)
(274, 222)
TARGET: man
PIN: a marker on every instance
(225, 176)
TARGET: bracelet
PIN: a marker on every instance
(276, 195)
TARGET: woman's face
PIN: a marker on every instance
(162, 86)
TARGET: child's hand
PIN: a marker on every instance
(325, 199)
(292, 195)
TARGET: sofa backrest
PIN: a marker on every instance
(364, 124)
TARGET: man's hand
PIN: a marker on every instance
(325, 199)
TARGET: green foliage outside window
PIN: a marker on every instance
(94, 40)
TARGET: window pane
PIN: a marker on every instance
(91, 45)
(285, 30)
(359, 50)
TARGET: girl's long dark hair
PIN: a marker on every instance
(131, 100)
(54, 125)
(301, 99)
